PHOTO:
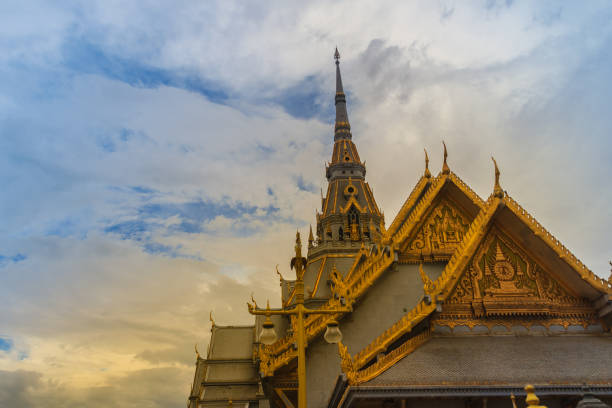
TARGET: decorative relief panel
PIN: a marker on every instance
(502, 280)
(442, 231)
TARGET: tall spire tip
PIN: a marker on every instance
(337, 56)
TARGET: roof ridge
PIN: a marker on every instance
(399, 328)
(391, 358)
(564, 253)
(466, 189)
(408, 204)
(404, 230)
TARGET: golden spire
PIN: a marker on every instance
(212, 319)
(298, 262)
(445, 168)
(497, 190)
(298, 245)
(310, 238)
(427, 172)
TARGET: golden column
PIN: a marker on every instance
(268, 335)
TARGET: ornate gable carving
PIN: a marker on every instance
(503, 280)
(440, 234)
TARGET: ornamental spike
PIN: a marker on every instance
(445, 168)
(497, 190)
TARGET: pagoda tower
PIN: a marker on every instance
(349, 214)
(349, 222)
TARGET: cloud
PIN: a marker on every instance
(156, 161)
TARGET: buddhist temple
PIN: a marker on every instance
(459, 302)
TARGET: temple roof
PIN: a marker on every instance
(570, 359)
(228, 372)
(231, 343)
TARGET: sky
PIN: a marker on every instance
(157, 157)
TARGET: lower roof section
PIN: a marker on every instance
(504, 360)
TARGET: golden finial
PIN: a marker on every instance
(298, 262)
(298, 245)
(497, 190)
(531, 399)
(429, 287)
(279, 274)
(310, 238)
(230, 403)
(196, 350)
(212, 319)
(445, 168)
(253, 300)
(427, 172)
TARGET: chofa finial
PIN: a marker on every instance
(427, 172)
(212, 319)
(497, 190)
(196, 351)
(337, 56)
(445, 168)
(279, 274)
(610, 277)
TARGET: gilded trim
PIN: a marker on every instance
(335, 196)
(398, 329)
(327, 199)
(373, 200)
(393, 357)
(316, 286)
(564, 253)
(408, 204)
(367, 196)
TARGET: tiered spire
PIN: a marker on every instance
(349, 213)
(343, 128)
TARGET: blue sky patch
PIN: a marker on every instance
(304, 185)
(142, 190)
(83, 56)
(5, 260)
(134, 229)
(307, 99)
(6, 344)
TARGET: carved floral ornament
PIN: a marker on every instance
(441, 232)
